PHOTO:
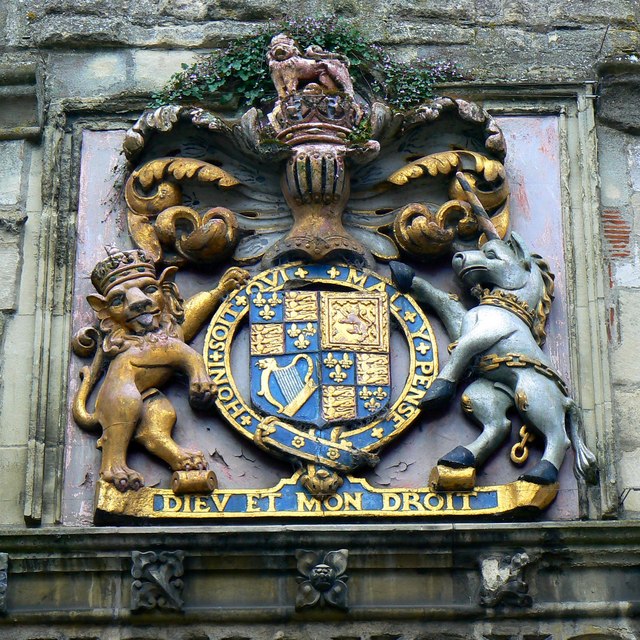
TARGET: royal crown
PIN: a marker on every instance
(119, 267)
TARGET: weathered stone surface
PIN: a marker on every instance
(614, 179)
(625, 363)
(12, 154)
(428, 34)
(620, 94)
(416, 11)
(513, 39)
(10, 245)
(12, 464)
(77, 75)
(152, 69)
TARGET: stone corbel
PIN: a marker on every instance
(503, 580)
(322, 580)
(157, 580)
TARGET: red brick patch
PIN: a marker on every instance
(616, 231)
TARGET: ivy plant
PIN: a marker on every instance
(239, 75)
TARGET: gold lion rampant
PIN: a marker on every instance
(143, 327)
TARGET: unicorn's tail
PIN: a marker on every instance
(585, 465)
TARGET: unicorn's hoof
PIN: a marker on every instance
(402, 275)
(543, 473)
(439, 394)
(458, 458)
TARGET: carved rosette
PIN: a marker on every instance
(322, 580)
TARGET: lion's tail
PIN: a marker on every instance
(88, 378)
(585, 464)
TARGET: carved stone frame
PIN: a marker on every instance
(67, 119)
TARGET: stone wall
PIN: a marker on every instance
(619, 161)
(98, 57)
(69, 64)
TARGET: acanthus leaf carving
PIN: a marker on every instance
(157, 580)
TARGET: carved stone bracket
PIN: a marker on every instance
(4, 564)
(322, 580)
(503, 580)
(157, 580)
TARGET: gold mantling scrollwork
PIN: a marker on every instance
(421, 232)
(157, 217)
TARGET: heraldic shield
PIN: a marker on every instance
(320, 358)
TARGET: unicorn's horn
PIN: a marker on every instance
(476, 206)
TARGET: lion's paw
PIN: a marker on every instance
(191, 460)
(202, 394)
(123, 478)
(233, 279)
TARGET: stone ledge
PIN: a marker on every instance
(578, 572)
(446, 536)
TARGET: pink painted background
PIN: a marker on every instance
(533, 169)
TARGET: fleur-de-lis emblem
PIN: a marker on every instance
(267, 312)
(380, 393)
(330, 361)
(266, 305)
(372, 405)
(301, 334)
(338, 375)
(346, 362)
(365, 393)
(274, 300)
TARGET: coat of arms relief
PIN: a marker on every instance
(328, 216)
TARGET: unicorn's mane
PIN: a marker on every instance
(544, 306)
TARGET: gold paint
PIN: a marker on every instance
(401, 414)
(520, 450)
(409, 316)
(298, 442)
(301, 334)
(300, 306)
(352, 321)
(267, 339)
(144, 327)
(269, 366)
(492, 361)
(338, 403)
(338, 375)
(372, 368)
(444, 478)
(465, 403)
(193, 482)
(372, 405)
(421, 232)
(522, 402)
(397, 502)
(156, 221)
(423, 348)
(320, 482)
(510, 302)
